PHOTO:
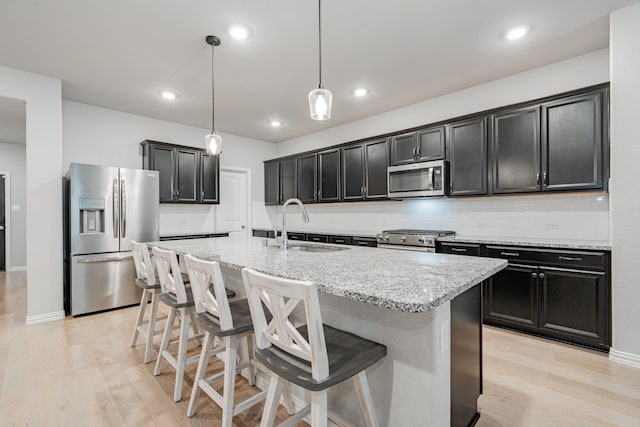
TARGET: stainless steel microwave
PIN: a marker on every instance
(417, 180)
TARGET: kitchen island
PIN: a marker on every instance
(425, 307)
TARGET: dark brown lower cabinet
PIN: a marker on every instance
(511, 298)
(560, 302)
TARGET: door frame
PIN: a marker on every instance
(7, 220)
(246, 171)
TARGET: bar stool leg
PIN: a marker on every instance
(165, 340)
(205, 355)
(365, 399)
(141, 310)
(152, 327)
(319, 415)
(230, 354)
(271, 404)
(182, 352)
(246, 352)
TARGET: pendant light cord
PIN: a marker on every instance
(319, 44)
(213, 109)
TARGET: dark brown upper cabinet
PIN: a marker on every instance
(187, 175)
(272, 182)
(572, 142)
(329, 176)
(307, 169)
(515, 150)
(209, 178)
(420, 146)
(468, 157)
(288, 179)
(364, 170)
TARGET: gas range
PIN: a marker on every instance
(411, 240)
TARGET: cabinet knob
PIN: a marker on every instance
(541, 275)
(534, 275)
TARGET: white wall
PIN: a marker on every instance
(43, 96)
(625, 175)
(13, 159)
(106, 137)
(562, 216)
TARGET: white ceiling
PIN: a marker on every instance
(120, 54)
(13, 121)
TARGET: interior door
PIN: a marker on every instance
(2, 226)
(233, 208)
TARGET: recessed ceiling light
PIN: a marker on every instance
(275, 123)
(516, 32)
(168, 95)
(239, 32)
(360, 92)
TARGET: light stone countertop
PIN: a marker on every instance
(328, 233)
(399, 280)
(597, 245)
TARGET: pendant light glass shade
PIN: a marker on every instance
(213, 143)
(320, 98)
(320, 104)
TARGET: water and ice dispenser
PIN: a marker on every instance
(91, 216)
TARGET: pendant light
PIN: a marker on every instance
(213, 141)
(320, 98)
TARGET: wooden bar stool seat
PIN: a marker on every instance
(313, 356)
(180, 302)
(147, 280)
(229, 322)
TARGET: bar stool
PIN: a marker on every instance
(147, 280)
(180, 302)
(313, 356)
(230, 322)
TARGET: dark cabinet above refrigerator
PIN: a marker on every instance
(187, 174)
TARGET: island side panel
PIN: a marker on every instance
(466, 356)
(411, 386)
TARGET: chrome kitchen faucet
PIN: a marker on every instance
(305, 218)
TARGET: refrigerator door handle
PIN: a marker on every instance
(123, 201)
(97, 260)
(116, 209)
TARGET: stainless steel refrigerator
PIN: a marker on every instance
(105, 209)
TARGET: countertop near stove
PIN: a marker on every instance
(398, 280)
(597, 245)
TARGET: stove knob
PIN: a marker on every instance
(403, 238)
(386, 237)
(421, 239)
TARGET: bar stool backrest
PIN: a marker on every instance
(169, 274)
(142, 261)
(280, 297)
(205, 277)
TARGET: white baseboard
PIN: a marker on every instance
(44, 318)
(18, 268)
(625, 358)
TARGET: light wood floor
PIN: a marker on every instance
(82, 372)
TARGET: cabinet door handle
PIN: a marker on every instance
(319, 196)
(509, 254)
(545, 178)
(418, 151)
(541, 275)
(413, 152)
(568, 258)
(202, 194)
(458, 250)
(338, 241)
(538, 178)
(534, 275)
(366, 191)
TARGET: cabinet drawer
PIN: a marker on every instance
(341, 240)
(364, 241)
(460, 249)
(323, 238)
(550, 256)
(262, 233)
(296, 236)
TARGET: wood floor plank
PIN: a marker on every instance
(81, 371)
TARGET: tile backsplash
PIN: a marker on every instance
(575, 216)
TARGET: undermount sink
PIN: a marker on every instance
(316, 249)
